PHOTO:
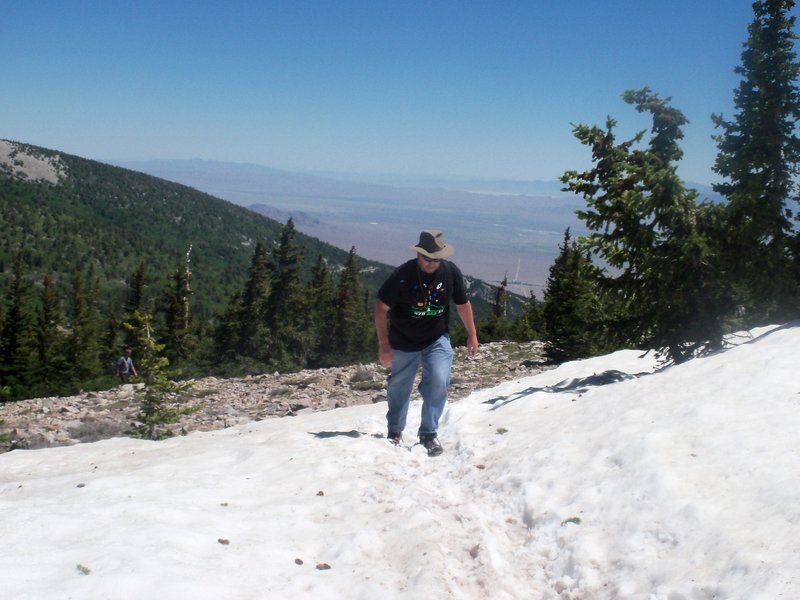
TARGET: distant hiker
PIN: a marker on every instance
(412, 317)
(125, 366)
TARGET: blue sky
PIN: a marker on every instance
(439, 88)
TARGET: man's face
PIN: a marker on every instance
(427, 265)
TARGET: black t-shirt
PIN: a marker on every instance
(420, 303)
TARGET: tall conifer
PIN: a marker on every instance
(571, 310)
(759, 160)
(84, 352)
(353, 325)
(18, 348)
(288, 302)
(51, 342)
(321, 315)
(178, 309)
(137, 301)
(248, 314)
(646, 225)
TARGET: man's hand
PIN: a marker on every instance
(472, 345)
(385, 356)
(465, 313)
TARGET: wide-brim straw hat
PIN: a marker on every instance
(431, 244)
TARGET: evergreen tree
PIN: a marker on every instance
(647, 226)
(528, 326)
(18, 348)
(110, 343)
(226, 333)
(84, 352)
(500, 305)
(137, 301)
(137, 290)
(158, 410)
(287, 304)
(51, 342)
(498, 326)
(570, 310)
(178, 317)
(759, 153)
(250, 320)
(353, 323)
(321, 314)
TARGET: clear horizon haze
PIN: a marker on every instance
(486, 90)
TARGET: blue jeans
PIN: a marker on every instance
(436, 361)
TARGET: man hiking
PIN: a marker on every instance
(412, 318)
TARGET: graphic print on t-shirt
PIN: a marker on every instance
(431, 299)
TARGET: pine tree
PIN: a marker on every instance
(529, 325)
(249, 318)
(226, 333)
(84, 352)
(137, 290)
(137, 301)
(500, 305)
(570, 311)
(110, 343)
(51, 341)
(18, 348)
(287, 304)
(321, 315)
(759, 154)
(159, 409)
(178, 317)
(353, 324)
(498, 326)
(646, 225)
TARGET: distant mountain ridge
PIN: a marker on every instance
(495, 235)
(249, 178)
(245, 183)
(501, 228)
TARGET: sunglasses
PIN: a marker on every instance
(430, 260)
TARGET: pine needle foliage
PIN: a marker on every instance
(759, 161)
(646, 226)
(571, 312)
(158, 411)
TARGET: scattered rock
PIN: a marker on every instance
(221, 403)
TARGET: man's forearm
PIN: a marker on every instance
(382, 323)
(466, 316)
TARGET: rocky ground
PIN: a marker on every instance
(213, 403)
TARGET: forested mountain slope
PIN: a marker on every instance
(69, 214)
(109, 220)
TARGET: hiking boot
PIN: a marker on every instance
(395, 437)
(431, 443)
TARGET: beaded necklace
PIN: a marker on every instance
(426, 290)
